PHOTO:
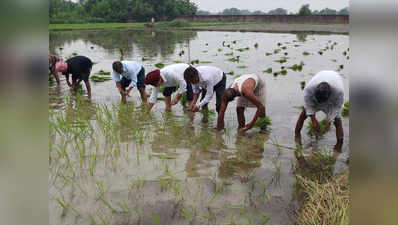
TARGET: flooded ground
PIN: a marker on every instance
(117, 164)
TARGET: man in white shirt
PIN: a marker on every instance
(205, 80)
(250, 89)
(128, 75)
(169, 77)
(324, 92)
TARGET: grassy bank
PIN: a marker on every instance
(101, 26)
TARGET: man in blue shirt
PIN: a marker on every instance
(128, 75)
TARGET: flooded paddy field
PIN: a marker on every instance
(117, 164)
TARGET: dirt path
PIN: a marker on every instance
(280, 27)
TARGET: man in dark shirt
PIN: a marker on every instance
(80, 68)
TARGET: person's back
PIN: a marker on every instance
(333, 78)
(174, 72)
(210, 72)
(79, 66)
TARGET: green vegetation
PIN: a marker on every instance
(302, 85)
(268, 53)
(346, 109)
(269, 70)
(90, 11)
(101, 72)
(159, 65)
(282, 60)
(256, 45)
(263, 123)
(322, 127)
(242, 49)
(234, 59)
(297, 67)
(242, 67)
(306, 53)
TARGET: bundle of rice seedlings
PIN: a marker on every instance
(263, 123)
(322, 126)
(326, 203)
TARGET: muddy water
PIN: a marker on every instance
(172, 167)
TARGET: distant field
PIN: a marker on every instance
(95, 26)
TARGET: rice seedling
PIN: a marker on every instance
(196, 61)
(231, 73)
(325, 203)
(346, 109)
(282, 60)
(144, 59)
(229, 54)
(306, 53)
(205, 51)
(74, 54)
(205, 62)
(269, 70)
(320, 52)
(121, 51)
(178, 61)
(234, 59)
(345, 53)
(341, 67)
(322, 127)
(159, 65)
(241, 67)
(283, 72)
(263, 123)
(219, 50)
(242, 49)
(284, 47)
(302, 85)
(256, 45)
(276, 51)
(297, 67)
(268, 53)
(96, 78)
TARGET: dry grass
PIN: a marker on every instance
(327, 203)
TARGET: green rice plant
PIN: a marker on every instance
(177, 61)
(256, 45)
(322, 127)
(121, 51)
(74, 54)
(284, 47)
(102, 72)
(241, 67)
(282, 60)
(144, 59)
(159, 65)
(341, 67)
(346, 109)
(96, 78)
(302, 85)
(205, 62)
(306, 53)
(230, 73)
(263, 123)
(283, 72)
(219, 50)
(268, 53)
(276, 51)
(196, 61)
(234, 59)
(229, 54)
(269, 70)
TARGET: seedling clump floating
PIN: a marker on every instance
(159, 65)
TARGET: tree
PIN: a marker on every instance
(305, 10)
(327, 11)
(345, 11)
(278, 11)
(203, 13)
(258, 12)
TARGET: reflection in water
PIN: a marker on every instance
(150, 42)
(246, 157)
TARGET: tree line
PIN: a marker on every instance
(100, 11)
(304, 10)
